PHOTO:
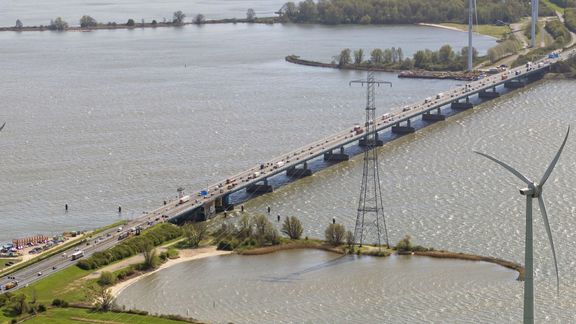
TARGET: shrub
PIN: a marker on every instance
(41, 308)
(404, 244)
(106, 279)
(226, 245)
(292, 227)
(335, 233)
(87, 21)
(130, 22)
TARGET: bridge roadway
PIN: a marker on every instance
(173, 209)
(345, 137)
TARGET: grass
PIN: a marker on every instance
(3, 262)
(553, 6)
(57, 285)
(72, 315)
(490, 30)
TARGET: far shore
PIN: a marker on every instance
(440, 26)
(211, 251)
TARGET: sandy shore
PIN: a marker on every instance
(185, 255)
(441, 26)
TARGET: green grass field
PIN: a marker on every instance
(490, 30)
(77, 315)
(3, 262)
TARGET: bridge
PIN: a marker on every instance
(216, 198)
(204, 204)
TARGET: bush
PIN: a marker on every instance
(106, 279)
(41, 308)
(570, 19)
(130, 22)
(292, 227)
(226, 245)
(87, 21)
(59, 303)
(404, 244)
(58, 24)
(335, 233)
(131, 246)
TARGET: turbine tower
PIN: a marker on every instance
(534, 190)
(470, 23)
(533, 23)
(370, 222)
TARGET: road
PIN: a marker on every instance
(277, 165)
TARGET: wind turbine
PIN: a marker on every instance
(534, 190)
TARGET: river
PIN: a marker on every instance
(124, 117)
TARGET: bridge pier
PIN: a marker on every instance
(457, 105)
(260, 188)
(364, 141)
(489, 94)
(408, 129)
(336, 157)
(299, 172)
(223, 204)
(428, 116)
(514, 84)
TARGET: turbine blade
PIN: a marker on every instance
(553, 163)
(507, 167)
(547, 224)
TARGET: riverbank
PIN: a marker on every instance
(472, 257)
(134, 25)
(414, 74)
(185, 255)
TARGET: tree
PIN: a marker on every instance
(58, 24)
(250, 15)
(130, 22)
(358, 56)
(195, 233)
(244, 227)
(345, 57)
(106, 279)
(334, 234)
(178, 17)
(87, 21)
(150, 258)
(350, 238)
(154, 22)
(19, 24)
(199, 19)
(292, 227)
(18, 304)
(445, 54)
(404, 244)
(264, 231)
(101, 297)
(377, 56)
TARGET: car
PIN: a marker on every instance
(39, 273)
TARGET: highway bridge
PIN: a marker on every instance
(216, 198)
(205, 203)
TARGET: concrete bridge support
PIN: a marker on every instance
(514, 84)
(263, 187)
(223, 204)
(299, 172)
(336, 157)
(429, 116)
(364, 141)
(484, 94)
(462, 105)
(398, 129)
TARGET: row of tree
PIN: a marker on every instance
(445, 59)
(132, 246)
(570, 19)
(403, 11)
(559, 32)
(89, 22)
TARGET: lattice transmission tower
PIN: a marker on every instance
(370, 225)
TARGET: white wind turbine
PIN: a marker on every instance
(534, 190)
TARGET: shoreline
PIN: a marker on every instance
(441, 26)
(207, 252)
(211, 251)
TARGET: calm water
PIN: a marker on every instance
(320, 287)
(124, 117)
(32, 12)
(110, 118)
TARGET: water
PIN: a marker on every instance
(321, 287)
(124, 117)
(32, 13)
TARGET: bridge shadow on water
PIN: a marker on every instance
(297, 275)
